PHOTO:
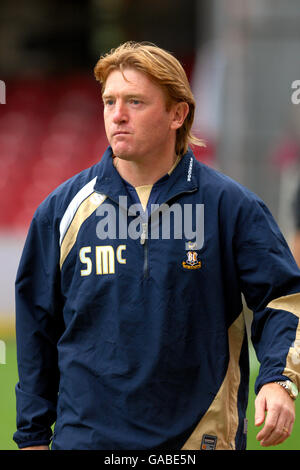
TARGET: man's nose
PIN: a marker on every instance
(120, 113)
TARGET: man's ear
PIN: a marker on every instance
(179, 113)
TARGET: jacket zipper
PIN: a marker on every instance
(143, 241)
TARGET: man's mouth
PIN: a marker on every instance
(120, 133)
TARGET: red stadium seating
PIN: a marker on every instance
(49, 130)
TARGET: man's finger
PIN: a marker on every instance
(260, 408)
(272, 429)
(279, 435)
(276, 432)
(278, 426)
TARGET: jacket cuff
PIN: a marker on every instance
(260, 381)
(22, 445)
(35, 416)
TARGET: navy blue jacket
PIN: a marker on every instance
(140, 342)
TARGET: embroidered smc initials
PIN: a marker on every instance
(102, 260)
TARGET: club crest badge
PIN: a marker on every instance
(191, 261)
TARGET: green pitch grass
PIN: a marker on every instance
(8, 380)
(9, 377)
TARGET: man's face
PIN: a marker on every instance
(137, 123)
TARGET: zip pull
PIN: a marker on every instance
(144, 233)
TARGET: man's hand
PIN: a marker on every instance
(36, 448)
(280, 408)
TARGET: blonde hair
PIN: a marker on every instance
(162, 68)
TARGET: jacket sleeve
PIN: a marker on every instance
(38, 327)
(270, 282)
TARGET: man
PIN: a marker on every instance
(128, 295)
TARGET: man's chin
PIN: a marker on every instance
(123, 154)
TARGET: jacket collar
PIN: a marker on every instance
(182, 179)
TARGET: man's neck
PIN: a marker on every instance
(144, 173)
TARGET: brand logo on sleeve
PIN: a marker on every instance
(189, 174)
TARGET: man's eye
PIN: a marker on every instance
(109, 102)
(135, 101)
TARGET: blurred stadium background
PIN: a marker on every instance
(241, 59)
